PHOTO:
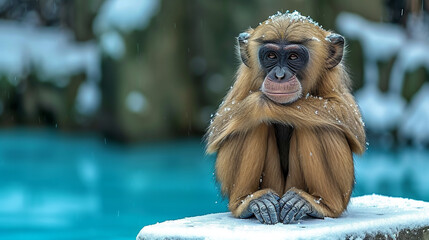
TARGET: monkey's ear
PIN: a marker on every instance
(243, 40)
(336, 49)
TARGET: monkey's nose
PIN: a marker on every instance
(280, 73)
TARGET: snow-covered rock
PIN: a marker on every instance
(370, 216)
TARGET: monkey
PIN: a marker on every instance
(287, 129)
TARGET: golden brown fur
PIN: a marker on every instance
(326, 122)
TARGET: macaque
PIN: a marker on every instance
(287, 129)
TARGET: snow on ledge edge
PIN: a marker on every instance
(371, 215)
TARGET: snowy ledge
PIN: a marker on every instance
(368, 217)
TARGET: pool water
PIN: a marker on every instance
(63, 186)
(56, 186)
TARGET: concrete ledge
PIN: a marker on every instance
(368, 217)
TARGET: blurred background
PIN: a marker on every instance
(103, 104)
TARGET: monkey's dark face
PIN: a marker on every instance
(282, 65)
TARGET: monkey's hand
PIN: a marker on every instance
(293, 207)
(266, 208)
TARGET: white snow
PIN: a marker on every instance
(371, 215)
(417, 25)
(88, 98)
(315, 39)
(413, 54)
(53, 55)
(382, 42)
(136, 102)
(380, 111)
(112, 44)
(120, 17)
(125, 15)
(295, 16)
(414, 124)
(52, 52)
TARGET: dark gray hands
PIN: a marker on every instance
(293, 207)
(266, 208)
(271, 209)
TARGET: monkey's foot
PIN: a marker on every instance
(293, 207)
(266, 208)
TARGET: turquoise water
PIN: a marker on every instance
(56, 186)
(63, 186)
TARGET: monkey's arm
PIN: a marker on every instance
(338, 112)
(240, 164)
(325, 162)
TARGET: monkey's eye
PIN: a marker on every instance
(293, 56)
(271, 55)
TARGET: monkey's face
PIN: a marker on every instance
(286, 55)
(282, 64)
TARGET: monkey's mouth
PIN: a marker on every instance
(290, 87)
(282, 92)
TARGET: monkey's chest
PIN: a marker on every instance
(283, 135)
